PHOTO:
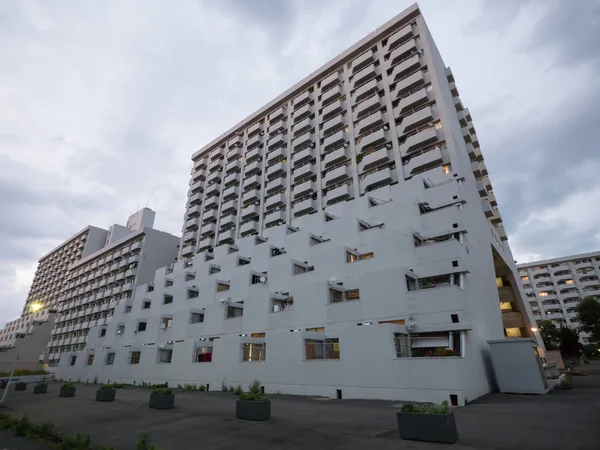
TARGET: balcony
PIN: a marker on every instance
(331, 94)
(192, 224)
(234, 153)
(370, 87)
(336, 175)
(257, 127)
(210, 216)
(251, 196)
(400, 36)
(377, 179)
(236, 141)
(253, 155)
(414, 120)
(401, 53)
(233, 179)
(276, 170)
(404, 68)
(303, 189)
(252, 182)
(330, 81)
(363, 75)
(303, 156)
(196, 187)
(215, 165)
(277, 141)
(306, 171)
(366, 107)
(423, 161)
(307, 206)
(227, 237)
(200, 164)
(334, 140)
(229, 206)
(254, 142)
(205, 244)
(419, 140)
(302, 126)
(250, 211)
(369, 122)
(487, 208)
(275, 155)
(275, 201)
(227, 222)
(274, 218)
(211, 202)
(233, 166)
(339, 193)
(253, 168)
(230, 193)
(335, 157)
(410, 102)
(374, 139)
(190, 236)
(277, 127)
(214, 177)
(277, 114)
(474, 153)
(213, 189)
(194, 199)
(249, 228)
(376, 158)
(302, 99)
(476, 169)
(364, 59)
(303, 112)
(275, 185)
(332, 125)
(333, 109)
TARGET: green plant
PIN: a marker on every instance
(68, 384)
(179, 386)
(569, 341)
(238, 390)
(549, 334)
(231, 389)
(223, 386)
(255, 393)
(189, 387)
(106, 387)
(143, 443)
(42, 382)
(588, 314)
(202, 388)
(22, 427)
(161, 391)
(430, 408)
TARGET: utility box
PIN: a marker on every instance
(517, 366)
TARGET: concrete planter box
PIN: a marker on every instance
(40, 389)
(66, 391)
(162, 401)
(21, 386)
(105, 395)
(427, 427)
(248, 410)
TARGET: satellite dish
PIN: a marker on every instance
(263, 279)
(161, 345)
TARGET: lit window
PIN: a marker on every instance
(437, 125)
(569, 282)
(134, 357)
(446, 168)
(90, 359)
(543, 294)
(203, 353)
(254, 352)
(221, 287)
(524, 278)
(322, 348)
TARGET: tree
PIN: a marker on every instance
(588, 314)
(569, 341)
(549, 334)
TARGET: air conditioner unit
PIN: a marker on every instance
(120, 332)
(163, 326)
(346, 144)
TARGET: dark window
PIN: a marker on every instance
(142, 326)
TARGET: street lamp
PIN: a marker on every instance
(33, 308)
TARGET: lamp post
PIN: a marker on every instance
(33, 308)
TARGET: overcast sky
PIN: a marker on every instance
(103, 103)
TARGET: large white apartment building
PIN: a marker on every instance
(555, 286)
(343, 240)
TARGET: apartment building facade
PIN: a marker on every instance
(101, 280)
(342, 240)
(555, 286)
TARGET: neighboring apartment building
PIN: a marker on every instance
(97, 283)
(50, 279)
(343, 240)
(555, 286)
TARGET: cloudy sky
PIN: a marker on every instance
(102, 104)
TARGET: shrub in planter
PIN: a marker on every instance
(20, 386)
(40, 388)
(431, 423)
(67, 390)
(253, 405)
(162, 398)
(105, 394)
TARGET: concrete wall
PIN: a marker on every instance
(35, 346)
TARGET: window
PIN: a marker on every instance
(134, 357)
(352, 294)
(166, 322)
(168, 299)
(203, 353)
(150, 288)
(243, 261)
(146, 304)
(435, 344)
(525, 278)
(103, 332)
(257, 278)
(121, 329)
(282, 304)
(316, 329)
(90, 359)
(127, 309)
(322, 348)
(191, 293)
(301, 268)
(189, 276)
(73, 360)
(446, 168)
(168, 283)
(221, 287)
(196, 317)
(110, 359)
(353, 256)
(214, 268)
(453, 279)
(277, 251)
(141, 326)
(254, 352)
(336, 296)
(165, 355)
(234, 311)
